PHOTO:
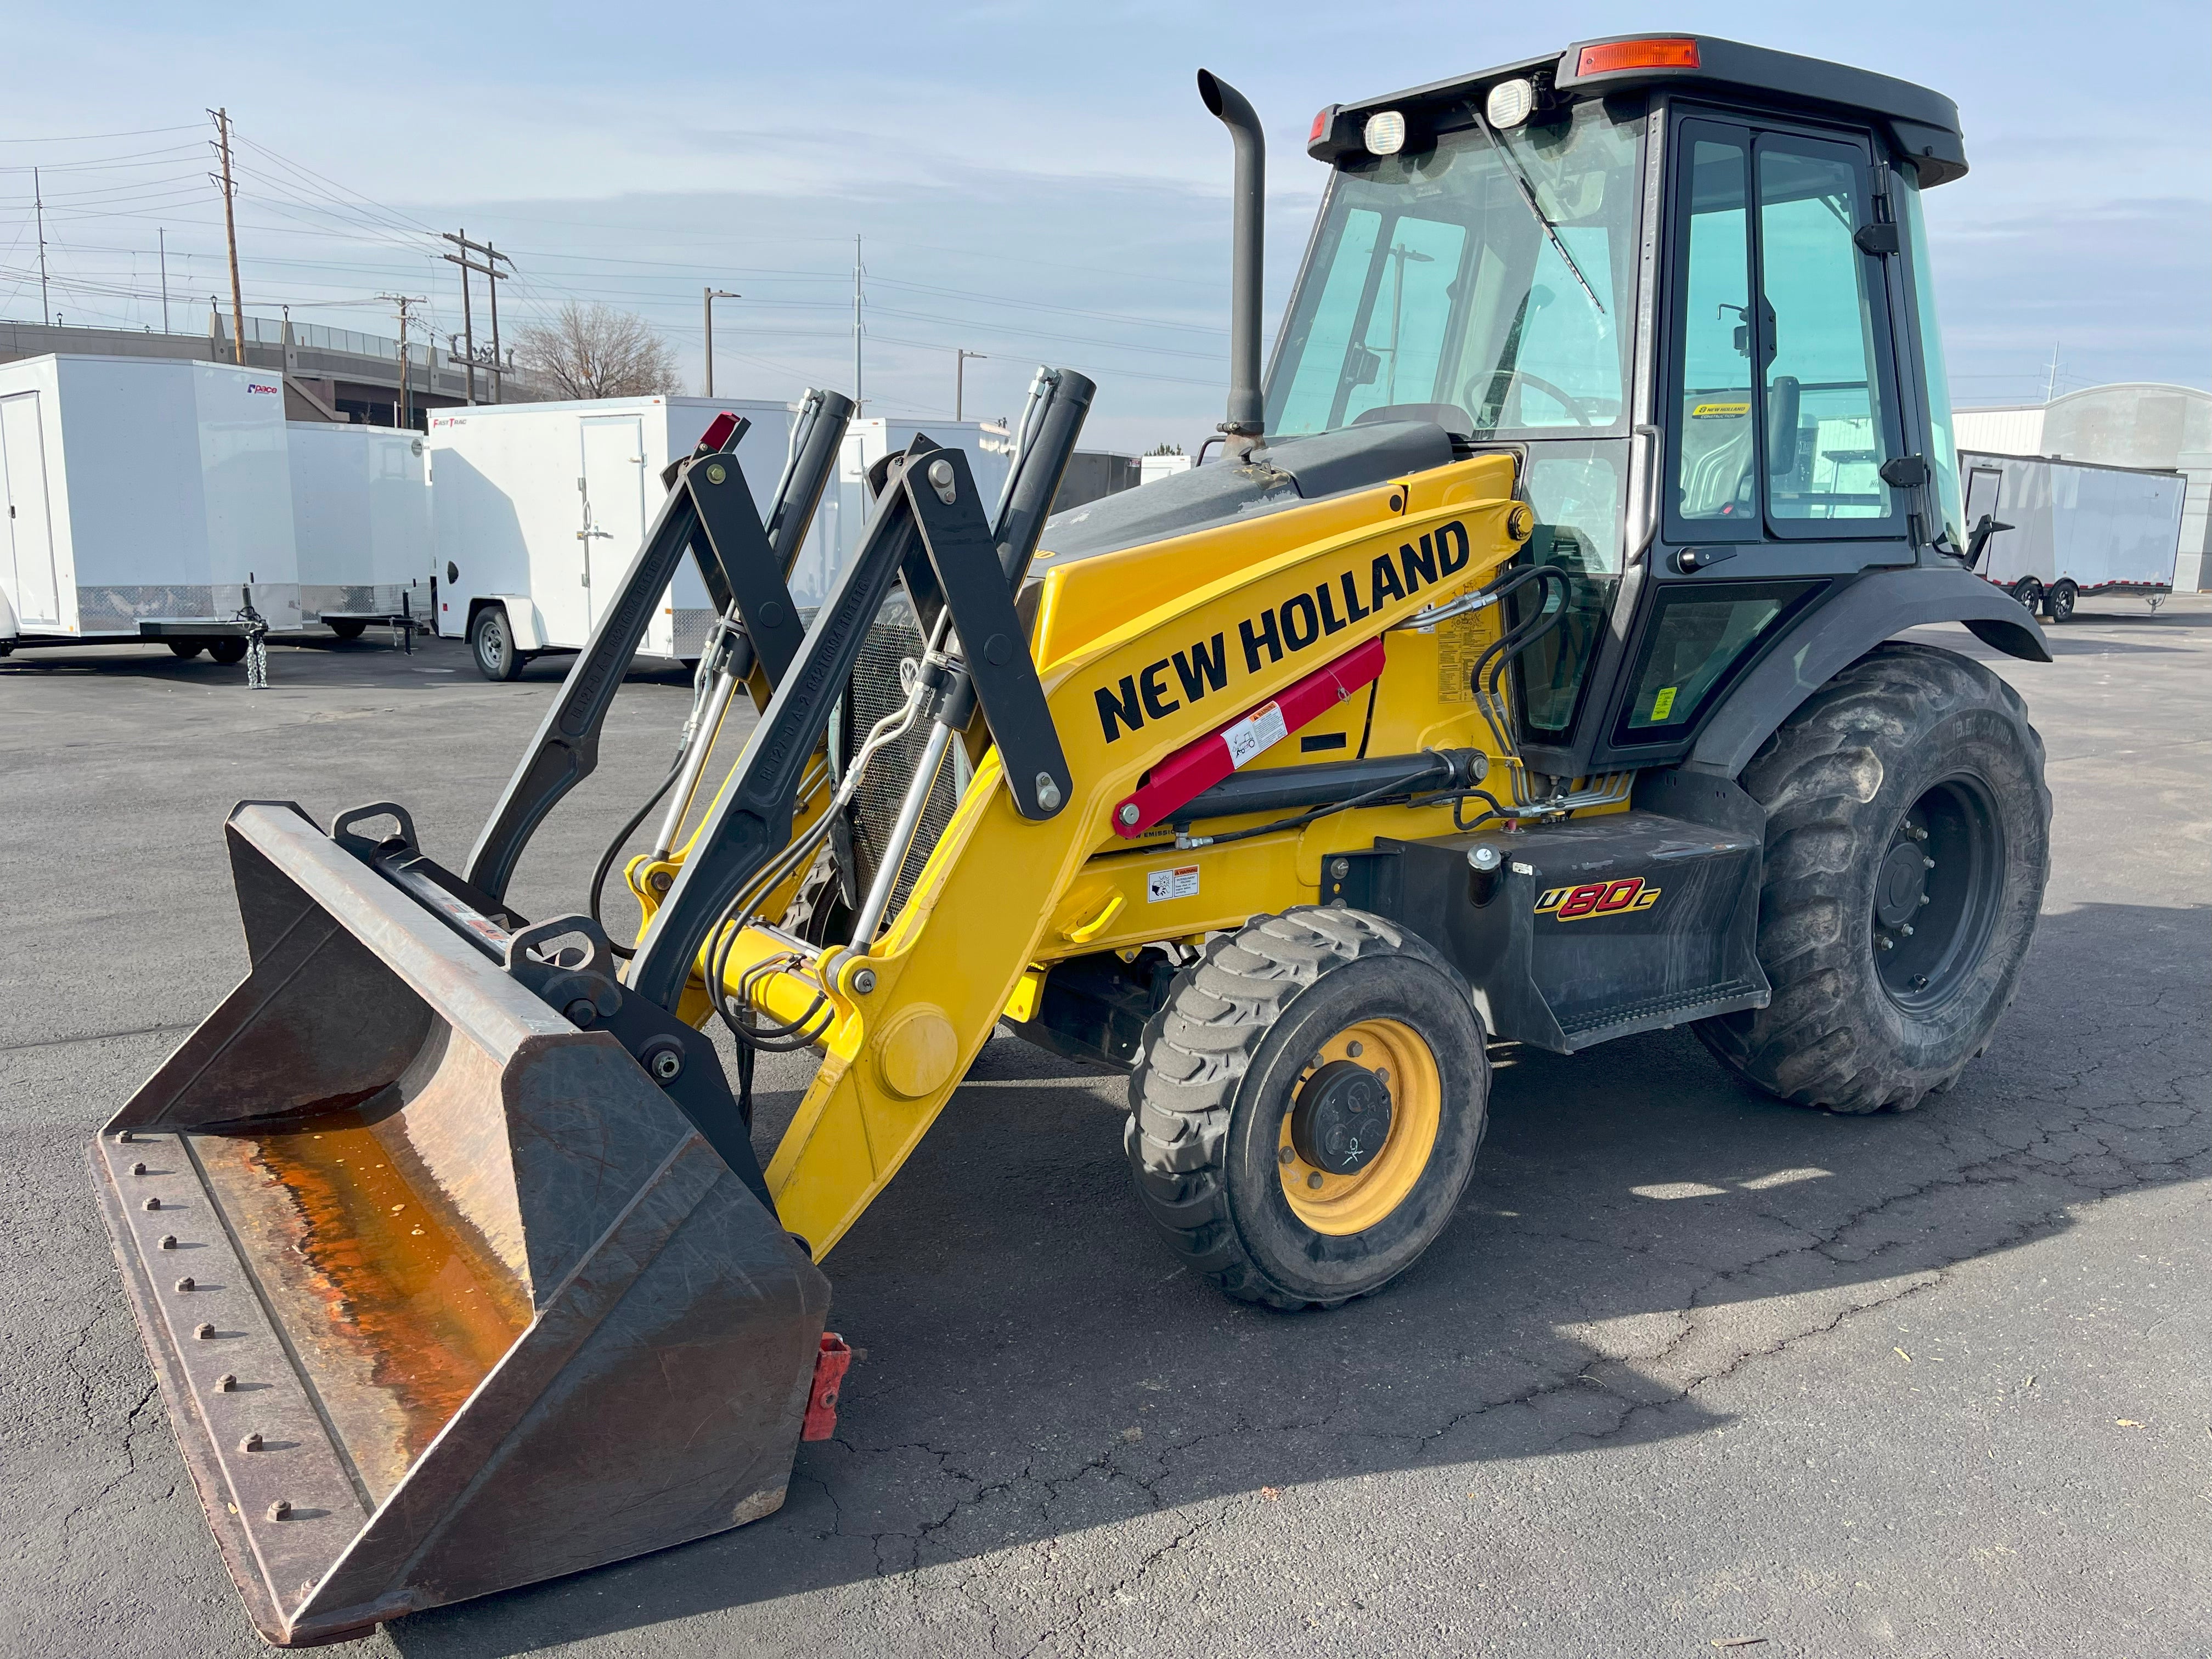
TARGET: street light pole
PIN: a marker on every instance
(708, 305)
(960, 378)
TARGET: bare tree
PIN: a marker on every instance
(596, 351)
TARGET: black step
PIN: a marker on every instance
(1624, 1019)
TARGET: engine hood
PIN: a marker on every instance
(1286, 473)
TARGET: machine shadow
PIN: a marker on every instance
(1033, 1365)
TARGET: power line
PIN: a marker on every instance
(91, 137)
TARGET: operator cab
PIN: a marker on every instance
(1685, 281)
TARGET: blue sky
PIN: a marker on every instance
(1031, 180)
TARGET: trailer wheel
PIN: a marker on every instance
(1307, 1107)
(2029, 592)
(2058, 604)
(491, 642)
(1908, 839)
(227, 650)
(347, 628)
(186, 648)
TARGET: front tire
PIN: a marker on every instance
(1908, 840)
(347, 628)
(2029, 592)
(1259, 1079)
(491, 645)
(186, 649)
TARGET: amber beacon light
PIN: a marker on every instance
(1636, 54)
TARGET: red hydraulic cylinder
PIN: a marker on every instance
(1198, 765)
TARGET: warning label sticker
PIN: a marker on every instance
(1459, 642)
(1262, 728)
(1179, 883)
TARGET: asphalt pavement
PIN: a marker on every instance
(1689, 1368)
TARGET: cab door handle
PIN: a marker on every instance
(1691, 560)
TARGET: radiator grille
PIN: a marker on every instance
(875, 691)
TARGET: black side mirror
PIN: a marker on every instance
(1782, 406)
(1979, 538)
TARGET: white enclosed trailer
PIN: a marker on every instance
(2074, 528)
(145, 497)
(846, 505)
(360, 513)
(537, 510)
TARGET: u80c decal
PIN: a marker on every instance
(1598, 898)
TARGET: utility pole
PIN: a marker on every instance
(162, 232)
(404, 300)
(2050, 385)
(960, 377)
(39, 205)
(230, 235)
(859, 402)
(489, 270)
(712, 294)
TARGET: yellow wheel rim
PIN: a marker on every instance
(1341, 1204)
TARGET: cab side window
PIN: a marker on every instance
(1715, 454)
(1782, 419)
(1818, 318)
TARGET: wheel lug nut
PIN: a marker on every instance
(138, 1169)
(1905, 928)
(1285, 1155)
(187, 1283)
(1314, 1180)
(1927, 862)
(251, 1443)
(1887, 943)
(1924, 898)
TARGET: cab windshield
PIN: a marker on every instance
(1433, 283)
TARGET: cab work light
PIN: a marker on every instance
(1636, 54)
(1386, 133)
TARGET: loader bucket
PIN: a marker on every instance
(444, 1293)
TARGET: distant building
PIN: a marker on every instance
(1093, 474)
(2135, 424)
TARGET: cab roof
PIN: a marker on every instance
(1922, 125)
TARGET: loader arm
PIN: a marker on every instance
(939, 979)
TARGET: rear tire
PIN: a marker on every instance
(1215, 1136)
(347, 628)
(491, 645)
(2058, 602)
(1906, 802)
(228, 651)
(186, 649)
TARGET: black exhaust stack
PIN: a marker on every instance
(1247, 421)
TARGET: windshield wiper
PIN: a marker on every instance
(1528, 195)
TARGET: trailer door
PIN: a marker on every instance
(614, 504)
(30, 524)
(1984, 486)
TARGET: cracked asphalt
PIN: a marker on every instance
(1690, 1367)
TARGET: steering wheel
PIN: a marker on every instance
(1566, 400)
